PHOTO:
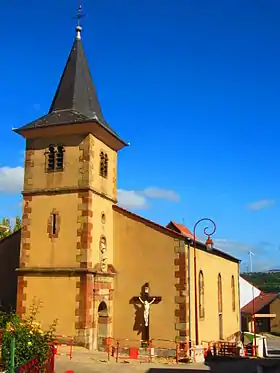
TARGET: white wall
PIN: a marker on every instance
(246, 292)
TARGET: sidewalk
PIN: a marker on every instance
(85, 361)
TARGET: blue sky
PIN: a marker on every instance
(193, 85)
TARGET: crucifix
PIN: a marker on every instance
(146, 300)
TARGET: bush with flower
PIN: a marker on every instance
(30, 339)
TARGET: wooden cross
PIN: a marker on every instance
(146, 300)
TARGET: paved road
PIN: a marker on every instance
(273, 346)
(241, 366)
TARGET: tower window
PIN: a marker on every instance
(55, 158)
(59, 157)
(103, 164)
(51, 158)
(54, 221)
(54, 227)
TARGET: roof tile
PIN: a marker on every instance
(259, 302)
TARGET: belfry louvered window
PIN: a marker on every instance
(55, 158)
(59, 158)
(103, 164)
(51, 158)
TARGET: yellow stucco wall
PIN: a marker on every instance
(139, 252)
(142, 254)
(79, 196)
(212, 265)
(274, 308)
(58, 301)
(36, 178)
(77, 172)
(61, 251)
(81, 169)
(106, 186)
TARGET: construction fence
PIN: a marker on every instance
(174, 352)
(149, 351)
(154, 350)
(63, 346)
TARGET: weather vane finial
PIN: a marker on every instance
(80, 14)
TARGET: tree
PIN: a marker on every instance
(269, 282)
(5, 228)
(17, 225)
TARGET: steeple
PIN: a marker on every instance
(75, 99)
(76, 90)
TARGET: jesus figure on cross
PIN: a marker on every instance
(146, 309)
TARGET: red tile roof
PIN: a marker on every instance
(181, 229)
(260, 302)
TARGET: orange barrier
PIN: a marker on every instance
(145, 351)
(182, 351)
(61, 340)
(221, 348)
(124, 351)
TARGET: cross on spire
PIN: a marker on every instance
(80, 14)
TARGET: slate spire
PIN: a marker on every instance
(75, 100)
(76, 90)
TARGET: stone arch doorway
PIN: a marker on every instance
(102, 325)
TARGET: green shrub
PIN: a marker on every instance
(30, 340)
(4, 319)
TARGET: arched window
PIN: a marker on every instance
(201, 295)
(59, 157)
(51, 158)
(102, 309)
(220, 295)
(103, 164)
(233, 293)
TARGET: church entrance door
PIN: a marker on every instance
(102, 328)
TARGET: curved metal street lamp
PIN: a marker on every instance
(209, 246)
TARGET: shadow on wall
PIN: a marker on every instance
(226, 365)
(138, 313)
(9, 261)
(138, 319)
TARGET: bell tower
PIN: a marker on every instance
(69, 189)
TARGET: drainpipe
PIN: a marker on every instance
(189, 292)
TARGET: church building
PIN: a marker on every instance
(91, 263)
